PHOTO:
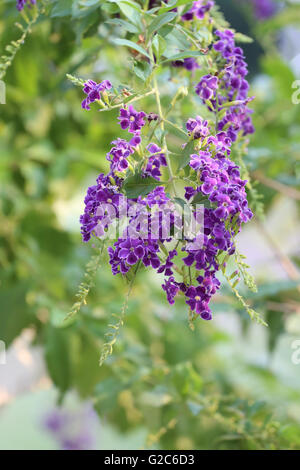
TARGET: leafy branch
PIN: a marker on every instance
(13, 47)
(88, 283)
(107, 348)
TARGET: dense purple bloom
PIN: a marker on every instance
(152, 219)
(207, 87)
(234, 86)
(21, 3)
(93, 91)
(103, 203)
(131, 119)
(222, 184)
(127, 252)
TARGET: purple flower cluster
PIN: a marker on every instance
(189, 263)
(229, 86)
(198, 10)
(93, 91)
(154, 162)
(21, 3)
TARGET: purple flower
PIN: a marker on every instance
(198, 9)
(120, 152)
(157, 197)
(155, 161)
(21, 4)
(131, 251)
(264, 9)
(234, 86)
(199, 160)
(207, 86)
(190, 192)
(104, 195)
(196, 300)
(197, 127)
(131, 119)
(171, 287)
(167, 267)
(93, 91)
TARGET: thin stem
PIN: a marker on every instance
(162, 126)
(136, 98)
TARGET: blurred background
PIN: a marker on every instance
(229, 384)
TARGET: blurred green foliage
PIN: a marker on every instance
(162, 376)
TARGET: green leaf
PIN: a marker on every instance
(137, 186)
(132, 13)
(58, 359)
(131, 45)
(183, 55)
(62, 8)
(159, 45)
(187, 151)
(15, 314)
(160, 21)
(142, 70)
(173, 4)
(239, 37)
(125, 24)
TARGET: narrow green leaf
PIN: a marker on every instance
(187, 151)
(160, 21)
(125, 24)
(131, 45)
(183, 55)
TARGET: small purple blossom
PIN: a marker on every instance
(198, 10)
(118, 155)
(207, 87)
(154, 162)
(197, 127)
(93, 91)
(131, 119)
(171, 287)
